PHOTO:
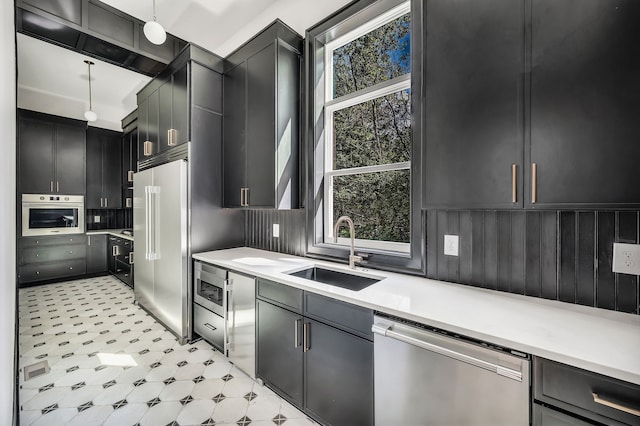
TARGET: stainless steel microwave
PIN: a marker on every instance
(44, 214)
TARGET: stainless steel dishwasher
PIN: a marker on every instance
(425, 377)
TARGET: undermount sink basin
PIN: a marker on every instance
(342, 279)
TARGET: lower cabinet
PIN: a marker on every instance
(51, 257)
(316, 352)
(96, 254)
(120, 259)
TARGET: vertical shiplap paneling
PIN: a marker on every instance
(453, 262)
(606, 287)
(477, 248)
(504, 250)
(466, 247)
(443, 264)
(567, 278)
(585, 267)
(518, 227)
(627, 288)
(432, 243)
(533, 237)
(491, 250)
(548, 256)
(259, 230)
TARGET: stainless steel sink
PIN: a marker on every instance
(342, 279)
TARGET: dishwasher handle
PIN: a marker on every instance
(387, 331)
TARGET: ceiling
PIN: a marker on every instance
(54, 80)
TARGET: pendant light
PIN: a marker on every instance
(89, 114)
(153, 30)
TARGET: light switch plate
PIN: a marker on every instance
(451, 245)
(96, 219)
(626, 258)
(276, 230)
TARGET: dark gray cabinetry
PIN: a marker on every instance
(104, 158)
(261, 131)
(96, 254)
(129, 161)
(474, 53)
(316, 352)
(120, 258)
(47, 258)
(51, 154)
(585, 102)
(583, 394)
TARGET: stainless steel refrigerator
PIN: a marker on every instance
(160, 223)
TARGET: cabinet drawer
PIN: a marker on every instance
(52, 253)
(573, 389)
(51, 270)
(52, 240)
(545, 416)
(209, 325)
(351, 318)
(280, 294)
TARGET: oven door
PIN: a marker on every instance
(52, 217)
(210, 288)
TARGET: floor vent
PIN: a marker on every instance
(35, 370)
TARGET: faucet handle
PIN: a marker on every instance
(353, 259)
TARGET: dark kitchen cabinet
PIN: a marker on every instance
(316, 352)
(120, 259)
(51, 154)
(104, 161)
(129, 157)
(148, 131)
(261, 121)
(96, 254)
(585, 103)
(51, 257)
(475, 62)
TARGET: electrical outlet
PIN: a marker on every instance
(626, 258)
(96, 219)
(276, 230)
(451, 245)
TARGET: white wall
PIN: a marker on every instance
(7, 211)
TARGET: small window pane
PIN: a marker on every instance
(373, 132)
(378, 203)
(377, 56)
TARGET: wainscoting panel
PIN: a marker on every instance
(558, 255)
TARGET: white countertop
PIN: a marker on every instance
(598, 340)
(114, 232)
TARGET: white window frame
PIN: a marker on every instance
(332, 105)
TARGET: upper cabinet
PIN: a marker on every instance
(51, 154)
(129, 156)
(104, 158)
(261, 120)
(166, 117)
(531, 106)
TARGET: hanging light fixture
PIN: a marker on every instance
(89, 114)
(154, 31)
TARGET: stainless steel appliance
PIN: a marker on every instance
(160, 226)
(423, 377)
(225, 312)
(44, 214)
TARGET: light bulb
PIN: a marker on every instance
(90, 115)
(154, 32)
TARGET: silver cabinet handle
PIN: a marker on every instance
(57, 186)
(210, 327)
(131, 258)
(101, 202)
(51, 186)
(127, 202)
(296, 334)
(147, 148)
(602, 400)
(514, 193)
(241, 197)
(130, 175)
(106, 202)
(172, 137)
(305, 332)
(534, 183)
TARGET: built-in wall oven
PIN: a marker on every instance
(210, 307)
(44, 214)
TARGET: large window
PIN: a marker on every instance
(367, 133)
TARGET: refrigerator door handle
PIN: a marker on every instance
(147, 219)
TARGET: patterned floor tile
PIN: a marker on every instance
(230, 410)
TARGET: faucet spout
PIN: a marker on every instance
(352, 257)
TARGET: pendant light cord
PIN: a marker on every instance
(154, 10)
(89, 63)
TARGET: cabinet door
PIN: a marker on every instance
(36, 157)
(474, 103)
(129, 152)
(94, 198)
(112, 254)
(261, 128)
(585, 102)
(70, 159)
(180, 105)
(111, 164)
(143, 126)
(234, 134)
(164, 115)
(96, 254)
(338, 376)
(279, 350)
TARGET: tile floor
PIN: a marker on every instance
(113, 364)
